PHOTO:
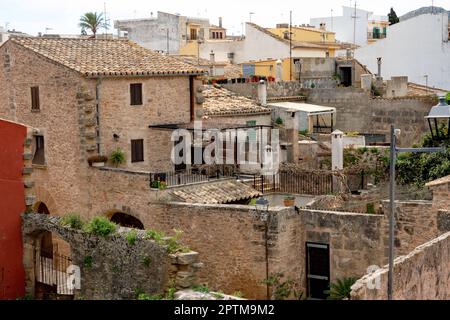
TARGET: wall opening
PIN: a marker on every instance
(126, 220)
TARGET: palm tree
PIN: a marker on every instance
(92, 21)
(341, 289)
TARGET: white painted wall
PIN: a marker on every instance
(343, 25)
(256, 46)
(413, 48)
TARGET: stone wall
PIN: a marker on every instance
(421, 275)
(274, 89)
(357, 111)
(118, 269)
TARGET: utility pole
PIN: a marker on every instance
(106, 23)
(290, 45)
(354, 27)
(332, 29)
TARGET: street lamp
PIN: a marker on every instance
(262, 208)
(438, 116)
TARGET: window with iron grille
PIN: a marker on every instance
(35, 105)
(136, 94)
(137, 150)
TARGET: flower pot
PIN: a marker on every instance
(98, 164)
(289, 202)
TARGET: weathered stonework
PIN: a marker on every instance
(421, 275)
(118, 268)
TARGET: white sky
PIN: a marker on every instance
(33, 16)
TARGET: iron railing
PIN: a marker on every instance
(53, 271)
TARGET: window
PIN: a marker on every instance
(35, 106)
(137, 150)
(193, 34)
(39, 153)
(136, 94)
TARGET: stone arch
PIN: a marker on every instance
(43, 195)
(127, 213)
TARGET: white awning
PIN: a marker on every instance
(311, 109)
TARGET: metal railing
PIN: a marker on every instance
(53, 271)
(374, 35)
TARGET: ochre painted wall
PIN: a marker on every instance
(301, 34)
(12, 205)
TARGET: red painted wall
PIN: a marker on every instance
(12, 205)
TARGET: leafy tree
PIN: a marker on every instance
(341, 289)
(393, 19)
(91, 21)
(420, 168)
(448, 97)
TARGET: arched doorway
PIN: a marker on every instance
(126, 220)
(50, 265)
(46, 245)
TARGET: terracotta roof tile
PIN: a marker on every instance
(99, 57)
(220, 101)
(217, 192)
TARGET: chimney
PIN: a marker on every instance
(323, 26)
(220, 22)
(262, 92)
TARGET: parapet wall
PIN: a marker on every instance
(421, 275)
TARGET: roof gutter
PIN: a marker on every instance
(151, 75)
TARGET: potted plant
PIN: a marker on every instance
(97, 161)
(117, 157)
(289, 201)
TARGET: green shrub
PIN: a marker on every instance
(101, 226)
(201, 288)
(279, 121)
(370, 208)
(313, 85)
(341, 289)
(73, 221)
(374, 151)
(146, 261)
(88, 261)
(131, 237)
(238, 294)
(447, 97)
(117, 157)
(144, 296)
(155, 235)
(304, 132)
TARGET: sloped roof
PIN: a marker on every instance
(101, 57)
(221, 102)
(220, 192)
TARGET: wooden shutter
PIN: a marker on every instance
(35, 98)
(137, 150)
(136, 94)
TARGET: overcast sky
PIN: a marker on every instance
(33, 16)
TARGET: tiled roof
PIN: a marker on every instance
(438, 182)
(217, 192)
(95, 57)
(231, 71)
(221, 102)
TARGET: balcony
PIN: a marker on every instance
(375, 36)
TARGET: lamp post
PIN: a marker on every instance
(262, 208)
(438, 116)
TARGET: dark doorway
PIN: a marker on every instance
(317, 270)
(127, 221)
(346, 76)
(46, 240)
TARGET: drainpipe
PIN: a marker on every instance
(97, 110)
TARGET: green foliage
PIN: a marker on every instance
(341, 289)
(146, 261)
(100, 226)
(393, 19)
(131, 237)
(173, 243)
(115, 269)
(117, 157)
(313, 85)
(201, 288)
(365, 161)
(279, 121)
(374, 151)
(352, 134)
(25, 297)
(304, 132)
(88, 261)
(170, 294)
(238, 294)
(420, 168)
(375, 91)
(73, 221)
(282, 290)
(91, 21)
(148, 297)
(447, 97)
(155, 235)
(370, 208)
(252, 202)
(218, 295)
